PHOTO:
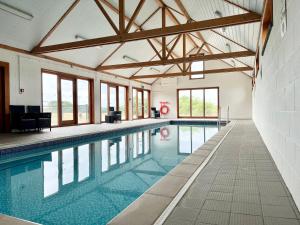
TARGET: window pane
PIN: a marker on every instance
(113, 97)
(140, 104)
(184, 103)
(83, 162)
(197, 103)
(122, 101)
(50, 103)
(67, 166)
(185, 142)
(67, 100)
(83, 101)
(146, 104)
(197, 66)
(211, 102)
(134, 104)
(51, 183)
(103, 101)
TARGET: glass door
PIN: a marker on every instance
(67, 101)
(113, 97)
(140, 104)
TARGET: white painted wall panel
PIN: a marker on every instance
(276, 97)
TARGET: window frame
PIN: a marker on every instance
(111, 84)
(204, 116)
(149, 103)
(190, 76)
(74, 78)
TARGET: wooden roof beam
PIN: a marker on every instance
(153, 33)
(57, 24)
(106, 15)
(189, 18)
(179, 60)
(134, 15)
(212, 71)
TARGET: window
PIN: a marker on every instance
(184, 103)
(67, 98)
(123, 101)
(83, 100)
(140, 103)
(197, 66)
(211, 103)
(198, 103)
(50, 96)
(113, 95)
(104, 102)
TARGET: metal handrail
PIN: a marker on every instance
(227, 120)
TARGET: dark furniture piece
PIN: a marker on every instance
(155, 113)
(33, 119)
(19, 120)
(113, 116)
(43, 119)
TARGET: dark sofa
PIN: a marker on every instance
(33, 119)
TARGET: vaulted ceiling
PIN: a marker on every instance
(55, 22)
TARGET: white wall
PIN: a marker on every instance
(25, 72)
(276, 97)
(234, 91)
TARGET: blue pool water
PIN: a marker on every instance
(90, 183)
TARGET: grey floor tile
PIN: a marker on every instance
(275, 200)
(278, 211)
(222, 188)
(213, 217)
(246, 208)
(182, 213)
(249, 198)
(223, 206)
(192, 203)
(178, 222)
(241, 219)
(221, 196)
(280, 221)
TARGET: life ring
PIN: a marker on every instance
(164, 132)
(164, 109)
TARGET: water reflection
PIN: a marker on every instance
(91, 183)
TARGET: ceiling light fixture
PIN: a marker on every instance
(228, 47)
(15, 11)
(81, 38)
(220, 15)
(154, 69)
(130, 59)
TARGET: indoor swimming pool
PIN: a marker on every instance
(90, 183)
